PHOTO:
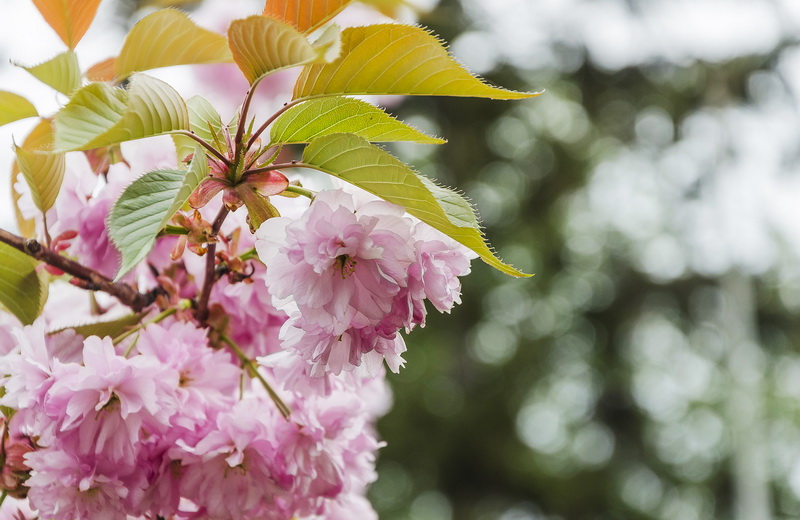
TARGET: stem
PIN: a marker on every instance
(305, 192)
(92, 280)
(253, 369)
(279, 166)
(172, 231)
(183, 305)
(250, 254)
(210, 277)
(269, 121)
(207, 146)
(3, 497)
(47, 240)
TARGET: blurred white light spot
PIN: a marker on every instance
(431, 505)
(476, 50)
(541, 427)
(593, 445)
(492, 343)
(642, 489)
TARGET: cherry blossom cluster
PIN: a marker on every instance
(351, 278)
(265, 409)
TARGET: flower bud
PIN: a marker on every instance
(15, 472)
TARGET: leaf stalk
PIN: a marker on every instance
(252, 368)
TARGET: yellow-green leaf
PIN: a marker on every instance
(305, 15)
(205, 122)
(40, 138)
(394, 59)
(44, 173)
(147, 205)
(333, 115)
(261, 45)
(112, 328)
(42, 168)
(62, 72)
(101, 115)
(70, 19)
(169, 37)
(14, 107)
(20, 286)
(371, 168)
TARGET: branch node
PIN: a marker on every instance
(33, 247)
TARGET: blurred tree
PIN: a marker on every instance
(650, 369)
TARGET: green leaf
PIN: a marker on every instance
(371, 168)
(324, 116)
(112, 328)
(169, 37)
(147, 205)
(20, 286)
(261, 45)
(14, 107)
(394, 59)
(62, 72)
(305, 15)
(70, 19)
(205, 122)
(101, 115)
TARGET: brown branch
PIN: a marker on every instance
(88, 278)
(207, 146)
(243, 122)
(211, 272)
(278, 166)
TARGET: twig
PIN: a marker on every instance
(243, 121)
(89, 278)
(269, 121)
(210, 276)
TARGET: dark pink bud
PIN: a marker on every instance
(206, 191)
(267, 183)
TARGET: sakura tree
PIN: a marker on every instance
(230, 317)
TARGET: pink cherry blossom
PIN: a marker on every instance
(352, 276)
(206, 379)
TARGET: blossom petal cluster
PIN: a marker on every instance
(162, 431)
(352, 277)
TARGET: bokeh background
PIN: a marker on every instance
(651, 368)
